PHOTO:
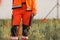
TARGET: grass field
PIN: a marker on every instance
(49, 30)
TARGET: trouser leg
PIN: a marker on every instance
(14, 32)
(15, 24)
(26, 25)
(25, 30)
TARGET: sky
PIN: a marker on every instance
(43, 8)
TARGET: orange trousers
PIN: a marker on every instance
(21, 13)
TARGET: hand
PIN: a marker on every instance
(32, 15)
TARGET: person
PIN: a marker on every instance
(22, 10)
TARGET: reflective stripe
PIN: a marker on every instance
(14, 38)
(25, 37)
(29, 9)
(14, 7)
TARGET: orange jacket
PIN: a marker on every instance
(31, 4)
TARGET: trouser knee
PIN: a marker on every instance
(14, 31)
(25, 30)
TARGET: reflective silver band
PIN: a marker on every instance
(13, 38)
(28, 9)
(14, 7)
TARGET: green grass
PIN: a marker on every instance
(38, 30)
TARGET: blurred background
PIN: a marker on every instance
(45, 25)
(43, 8)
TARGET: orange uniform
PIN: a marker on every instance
(22, 9)
(31, 4)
